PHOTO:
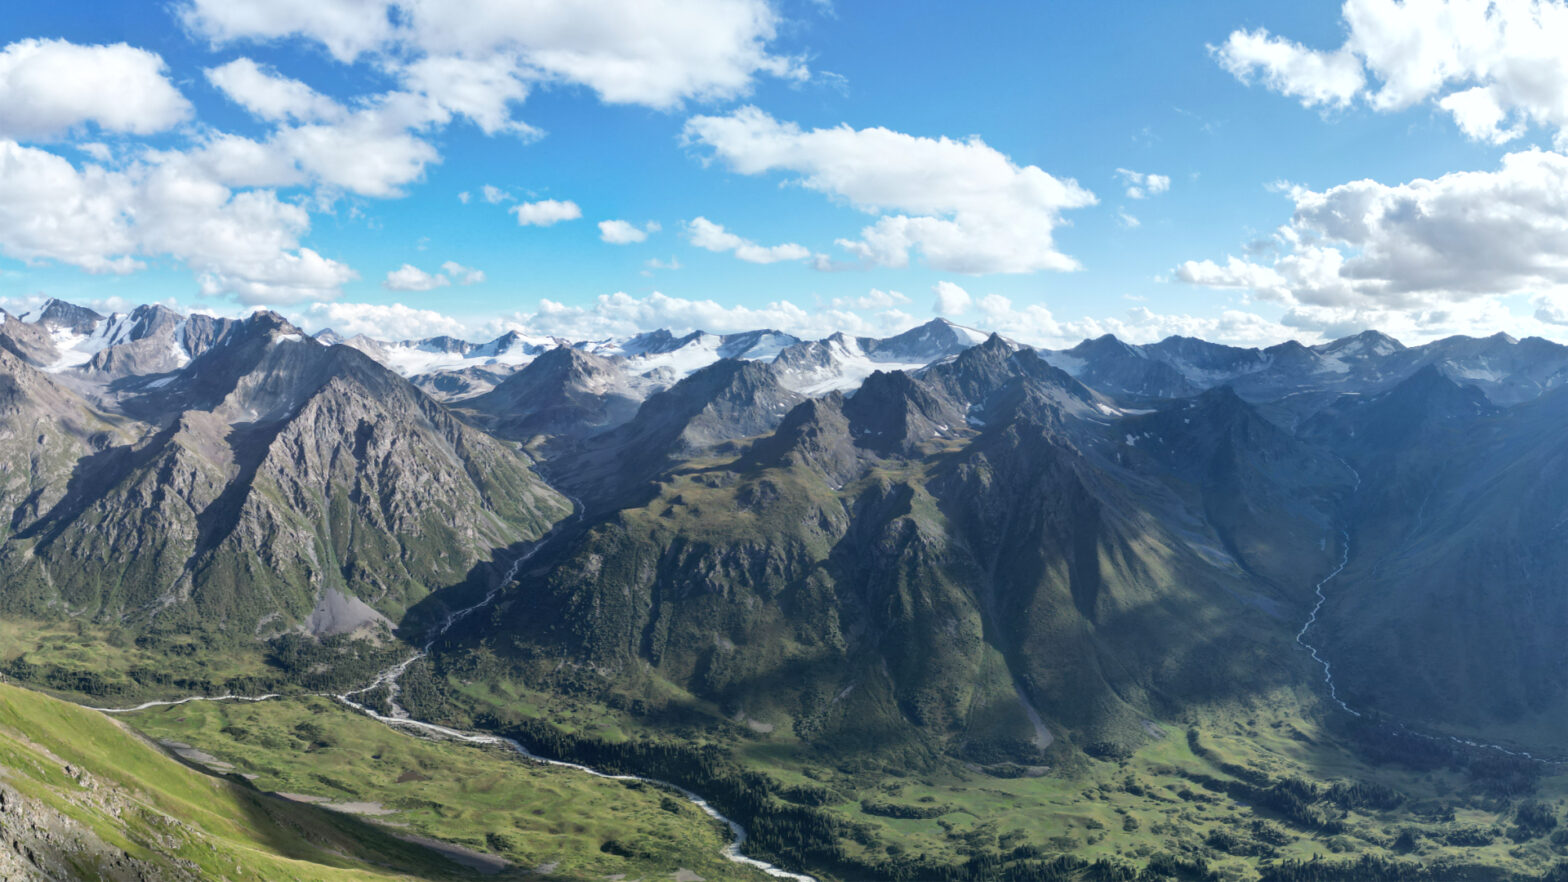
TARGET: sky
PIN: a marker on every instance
(1241, 172)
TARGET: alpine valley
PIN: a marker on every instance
(932, 606)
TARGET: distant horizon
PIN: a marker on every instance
(31, 315)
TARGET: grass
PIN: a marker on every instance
(134, 799)
(1129, 809)
(108, 657)
(564, 822)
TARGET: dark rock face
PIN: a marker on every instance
(77, 319)
(564, 393)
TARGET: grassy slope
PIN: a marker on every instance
(133, 798)
(480, 798)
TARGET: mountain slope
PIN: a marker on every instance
(883, 579)
(564, 392)
(1451, 609)
(81, 796)
(286, 472)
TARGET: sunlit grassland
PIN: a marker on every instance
(558, 821)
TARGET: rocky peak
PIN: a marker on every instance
(76, 319)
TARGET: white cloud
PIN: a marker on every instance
(1236, 274)
(381, 321)
(411, 278)
(1140, 185)
(950, 299)
(464, 196)
(655, 263)
(371, 151)
(480, 89)
(1129, 221)
(545, 212)
(622, 314)
(271, 96)
(653, 52)
(965, 205)
(495, 195)
(876, 298)
(241, 243)
(49, 87)
(1317, 78)
(1480, 115)
(619, 232)
(704, 233)
(878, 313)
(1417, 254)
(348, 28)
(1496, 67)
(463, 275)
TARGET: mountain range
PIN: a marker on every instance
(945, 540)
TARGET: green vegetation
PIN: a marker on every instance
(1263, 791)
(115, 667)
(481, 798)
(97, 797)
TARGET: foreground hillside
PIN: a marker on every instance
(84, 797)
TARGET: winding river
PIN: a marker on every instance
(401, 718)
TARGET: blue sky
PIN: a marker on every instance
(1319, 169)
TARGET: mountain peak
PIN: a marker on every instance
(60, 314)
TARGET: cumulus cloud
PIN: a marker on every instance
(706, 234)
(966, 206)
(545, 212)
(111, 221)
(463, 275)
(622, 314)
(495, 195)
(657, 53)
(411, 278)
(1140, 185)
(1365, 250)
(950, 299)
(1496, 67)
(269, 95)
(347, 28)
(49, 87)
(372, 150)
(1317, 78)
(381, 321)
(655, 263)
(873, 299)
(619, 232)
(483, 90)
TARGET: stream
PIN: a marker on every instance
(1328, 673)
(401, 718)
(1312, 619)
